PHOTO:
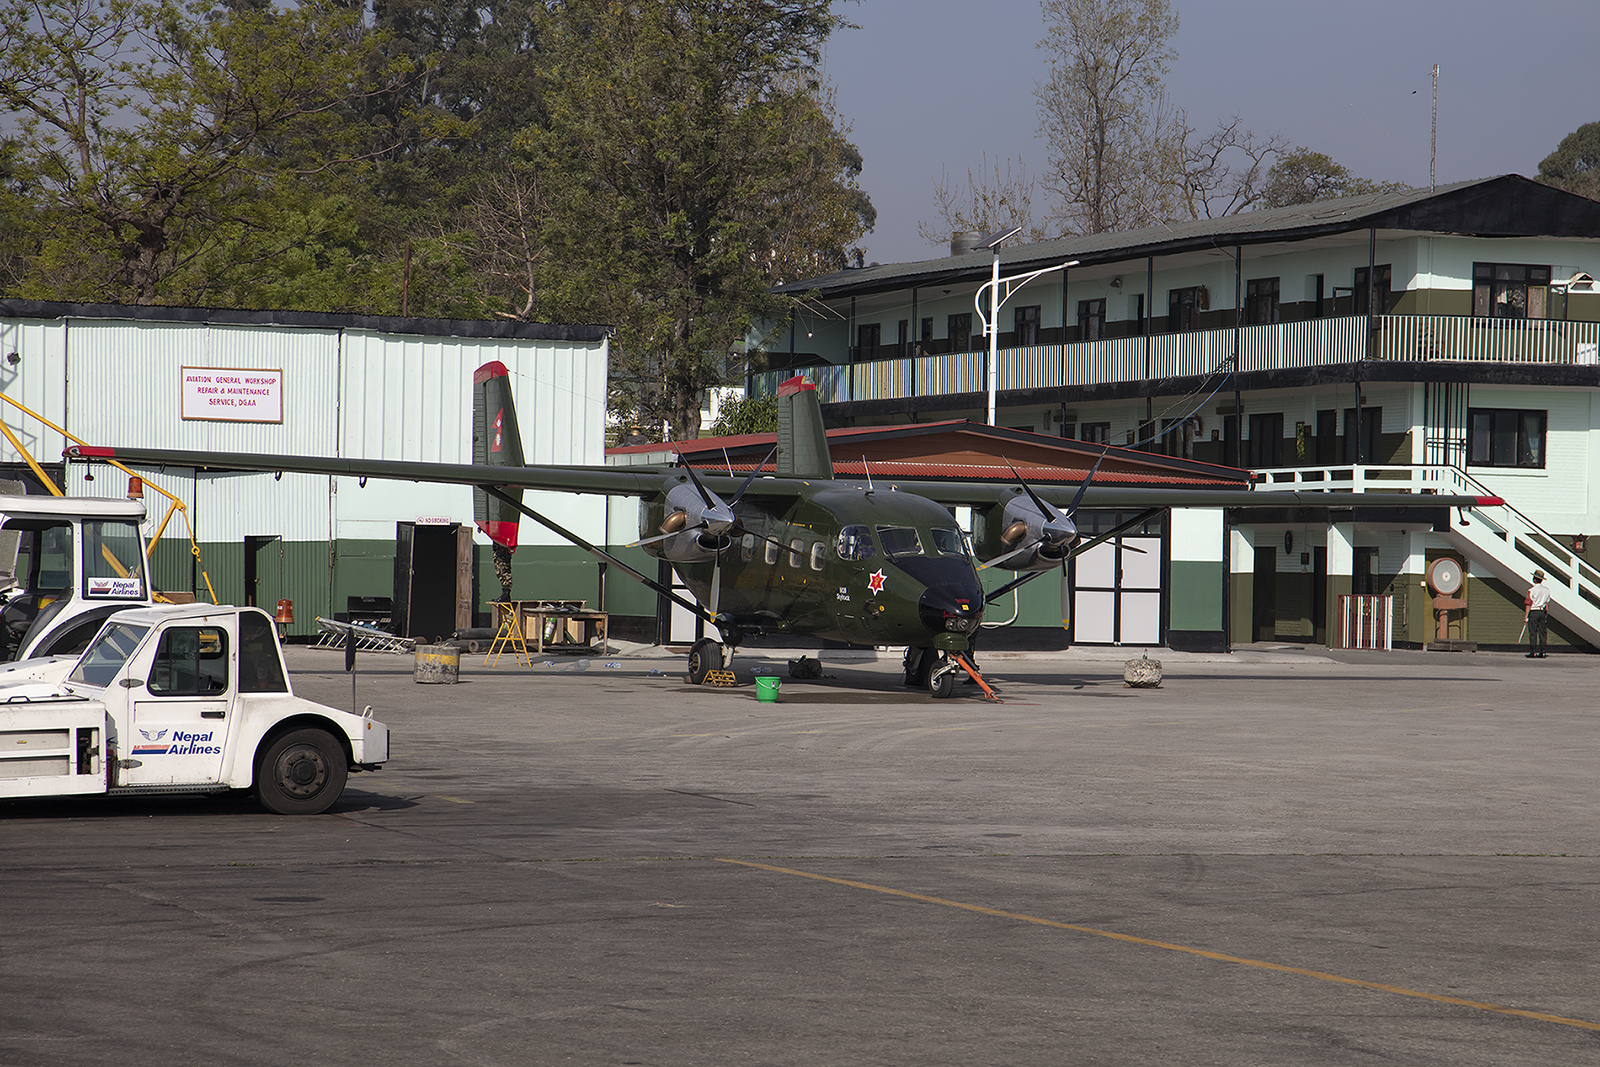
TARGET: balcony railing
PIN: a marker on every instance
(1280, 346)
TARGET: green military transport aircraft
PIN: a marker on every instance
(798, 551)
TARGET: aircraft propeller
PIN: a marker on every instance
(1041, 532)
(713, 518)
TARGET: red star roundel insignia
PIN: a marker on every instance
(875, 583)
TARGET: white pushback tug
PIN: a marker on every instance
(190, 698)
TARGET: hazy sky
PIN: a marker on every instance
(931, 85)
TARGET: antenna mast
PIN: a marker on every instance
(1433, 147)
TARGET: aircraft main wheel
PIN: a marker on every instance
(704, 657)
(942, 680)
(302, 773)
(918, 662)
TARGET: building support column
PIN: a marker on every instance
(1242, 584)
(1412, 586)
(1341, 572)
(1195, 616)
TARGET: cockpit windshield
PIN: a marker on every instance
(947, 541)
(899, 541)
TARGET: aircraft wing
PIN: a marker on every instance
(650, 480)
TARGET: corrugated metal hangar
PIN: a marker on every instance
(323, 385)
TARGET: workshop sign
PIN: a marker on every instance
(232, 394)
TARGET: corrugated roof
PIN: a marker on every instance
(1502, 206)
(1040, 475)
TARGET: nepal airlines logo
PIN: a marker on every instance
(153, 743)
(183, 744)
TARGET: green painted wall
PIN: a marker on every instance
(1196, 595)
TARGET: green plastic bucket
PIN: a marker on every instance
(767, 689)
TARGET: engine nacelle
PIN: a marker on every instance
(690, 529)
(1030, 539)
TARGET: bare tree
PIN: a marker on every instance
(989, 201)
(1104, 114)
(1225, 172)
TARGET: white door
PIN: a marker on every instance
(1116, 598)
(180, 714)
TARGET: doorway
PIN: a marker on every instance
(432, 579)
(1263, 613)
(263, 571)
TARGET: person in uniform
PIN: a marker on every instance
(1535, 615)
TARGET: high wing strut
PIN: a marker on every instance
(562, 531)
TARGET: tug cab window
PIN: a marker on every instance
(106, 655)
(260, 669)
(113, 561)
(190, 661)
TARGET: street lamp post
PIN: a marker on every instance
(997, 300)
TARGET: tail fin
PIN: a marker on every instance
(496, 442)
(802, 439)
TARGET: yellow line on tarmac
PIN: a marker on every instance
(453, 800)
(1220, 956)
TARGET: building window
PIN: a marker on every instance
(1319, 298)
(927, 331)
(1183, 309)
(905, 337)
(959, 329)
(867, 340)
(1509, 291)
(1091, 320)
(1381, 291)
(1505, 437)
(1265, 447)
(1027, 325)
(1261, 301)
(1098, 432)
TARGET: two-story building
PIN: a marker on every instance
(1442, 340)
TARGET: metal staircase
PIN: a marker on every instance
(1500, 539)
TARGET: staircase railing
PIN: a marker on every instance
(1504, 538)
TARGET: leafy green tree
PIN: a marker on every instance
(1575, 164)
(754, 414)
(167, 149)
(684, 157)
(1301, 176)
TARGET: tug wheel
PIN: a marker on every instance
(302, 773)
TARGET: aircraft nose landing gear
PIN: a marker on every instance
(938, 670)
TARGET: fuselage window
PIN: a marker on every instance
(947, 541)
(855, 543)
(797, 553)
(747, 547)
(818, 551)
(772, 552)
(899, 541)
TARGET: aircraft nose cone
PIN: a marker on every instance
(942, 612)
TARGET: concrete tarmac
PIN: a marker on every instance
(1278, 857)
